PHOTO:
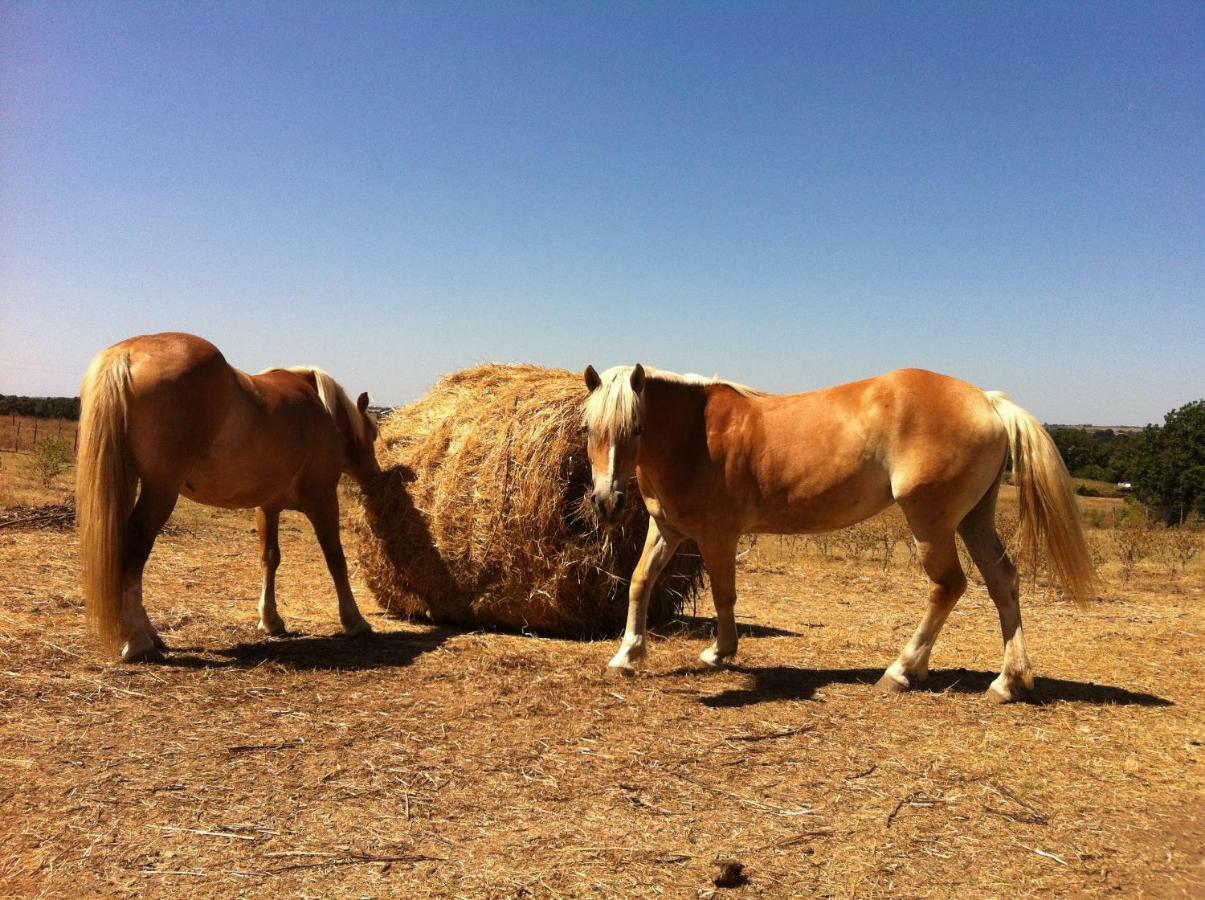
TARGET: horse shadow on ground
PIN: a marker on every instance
(703, 628)
(772, 683)
(302, 652)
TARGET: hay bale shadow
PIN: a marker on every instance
(401, 560)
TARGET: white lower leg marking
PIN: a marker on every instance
(139, 634)
(912, 665)
(1017, 671)
(349, 613)
(631, 650)
(713, 657)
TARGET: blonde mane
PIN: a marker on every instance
(333, 396)
(613, 408)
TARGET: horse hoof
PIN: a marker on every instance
(275, 629)
(160, 643)
(151, 654)
(360, 629)
(619, 672)
(889, 685)
(997, 697)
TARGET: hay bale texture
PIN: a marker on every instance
(481, 517)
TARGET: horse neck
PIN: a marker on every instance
(675, 427)
(359, 455)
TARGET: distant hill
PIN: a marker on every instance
(1117, 429)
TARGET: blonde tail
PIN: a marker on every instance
(1050, 518)
(104, 491)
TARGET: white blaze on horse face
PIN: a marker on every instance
(606, 485)
(613, 463)
(602, 465)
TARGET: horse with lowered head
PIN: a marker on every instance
(715, 460)
(164, 415)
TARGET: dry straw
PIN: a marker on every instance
(480, 517)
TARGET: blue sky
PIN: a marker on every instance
(790, 195)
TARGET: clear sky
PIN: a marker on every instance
(789, 195)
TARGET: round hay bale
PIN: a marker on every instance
(481, 516)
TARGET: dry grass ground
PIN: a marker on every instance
(435, 762)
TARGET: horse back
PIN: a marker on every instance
(219, 435)
(181, 389)
(828, 458)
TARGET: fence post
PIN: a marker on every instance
(17, 438)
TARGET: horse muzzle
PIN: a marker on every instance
(607, 505)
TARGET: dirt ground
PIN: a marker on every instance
(430, 762)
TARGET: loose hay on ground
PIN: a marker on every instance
(481, 518)
(426, 762)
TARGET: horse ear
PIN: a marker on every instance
(592, 379)
(362, 403)
(638, 378)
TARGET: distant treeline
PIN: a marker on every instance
(40, 407)
(1101, 455)
(1165, 463)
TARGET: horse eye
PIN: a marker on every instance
(639, 430)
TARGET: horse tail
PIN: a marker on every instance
(104, 490)
(1050, 517)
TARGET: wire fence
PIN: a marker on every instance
(23, 434)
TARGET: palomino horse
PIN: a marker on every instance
(167, 411)
(715, 460)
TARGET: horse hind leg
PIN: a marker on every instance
(720, 559)
(150, 514)
(978, 530)
(939, 557)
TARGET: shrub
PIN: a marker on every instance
(1135, 537)
(857, 539)
(50, 458)
(1183, 542)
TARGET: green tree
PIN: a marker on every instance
(1169, 464)
(1091, 453)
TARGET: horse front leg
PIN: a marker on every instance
(720, 559)
(267, 522)
(324, 516)
(659, 545)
